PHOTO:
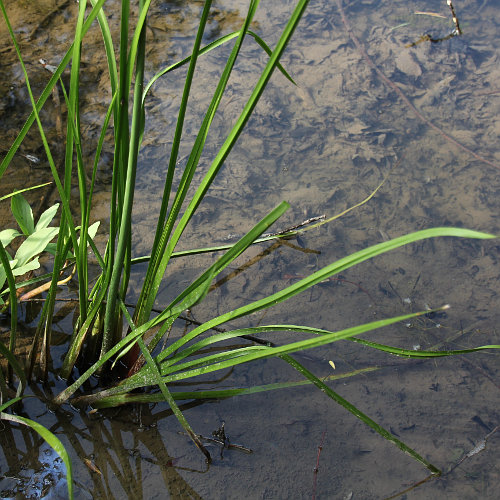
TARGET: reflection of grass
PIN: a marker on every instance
(99, 339)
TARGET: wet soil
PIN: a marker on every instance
(322, 145)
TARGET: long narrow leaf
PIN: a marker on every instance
(48, 88)
(154, 272)
(144, 378)
(180, 303)
(238, 127)
(211, 46)
(359, 414)
(4, 259)
(322, 274)
(19, 191)
(148, 398)
(23, 214)
(51, 439)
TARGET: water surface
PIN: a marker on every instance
(322, 145)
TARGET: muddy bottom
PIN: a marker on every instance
(370, 104)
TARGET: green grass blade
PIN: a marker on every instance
(148, 398)
(359, 414)
(144, 378)
(108, 47)
(190, 295)
(320, 340)
(240, 124)
(55, 175)
(10, 402)
(66, 219)
(51, 439)
(211, 46)
(4, 259)
(163, 388)
(73, 141)
(154, 273)
(269, 52)
(195, 292)
(48, 88)
(410, 353)
(19, 191)
(322, 274)
(124, 235)
(163, 251)
(136, 43)
(237, 249)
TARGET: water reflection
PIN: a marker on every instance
(323, 146)
(117, 466)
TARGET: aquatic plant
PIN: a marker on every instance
(106, 333)
(38, 237)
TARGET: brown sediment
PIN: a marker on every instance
(400, 93)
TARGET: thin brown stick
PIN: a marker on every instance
(316, 469)
(402, 96)
(43, 288)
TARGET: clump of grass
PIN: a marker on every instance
(105, 332)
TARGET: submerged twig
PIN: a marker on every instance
(43, 288)
(220, 438)
(297, 226)
(316, 468)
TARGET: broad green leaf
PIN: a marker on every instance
(35, 244)
(92, 230)
(3, 277)
(23, 214)
(7, 235)
(31, 265)
(46, 217)
(51, 248)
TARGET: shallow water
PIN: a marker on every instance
(323, 146)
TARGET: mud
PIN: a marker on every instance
(322, 145)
